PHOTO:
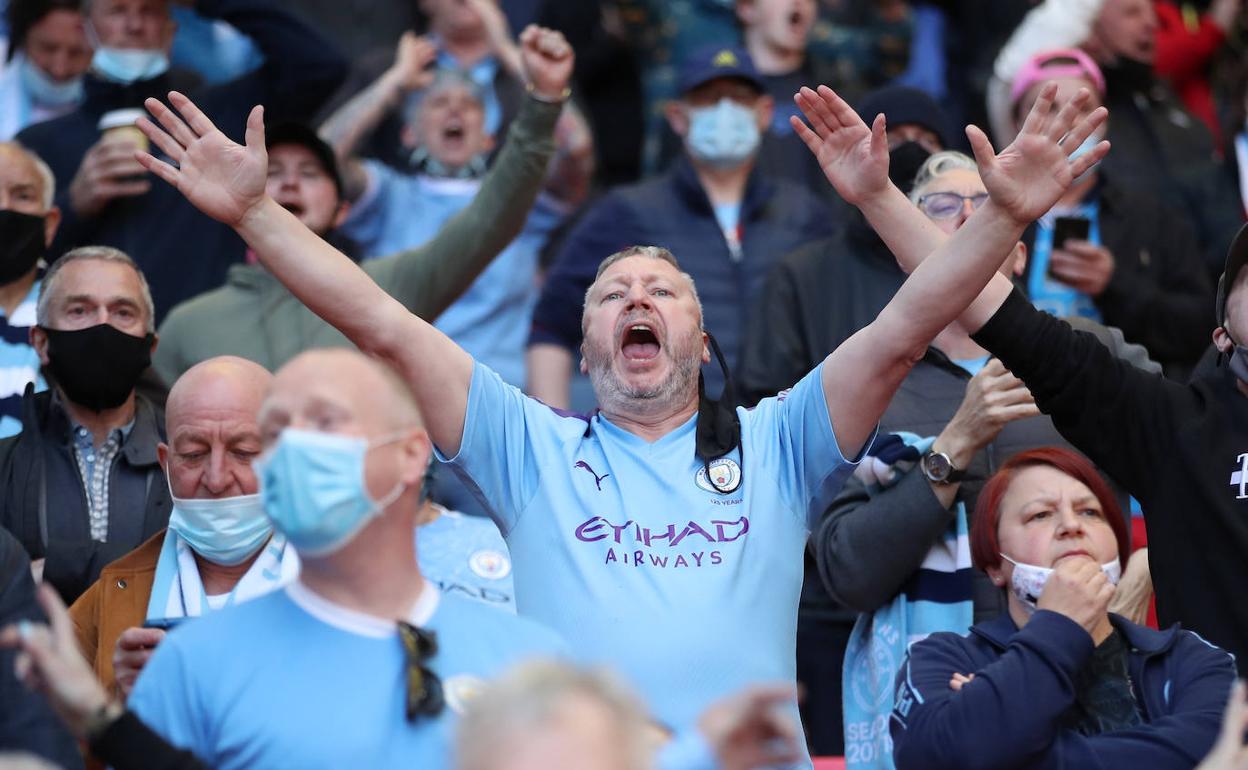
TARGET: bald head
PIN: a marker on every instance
(211, 420)
(347, 386)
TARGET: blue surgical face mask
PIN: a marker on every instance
(42, 89)
(225, 531)
(724, 135)
(314, 490)
(128, 65)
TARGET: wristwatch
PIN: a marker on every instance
(939, 469)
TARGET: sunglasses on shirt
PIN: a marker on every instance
(424, 688)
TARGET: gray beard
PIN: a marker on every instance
(614, 395)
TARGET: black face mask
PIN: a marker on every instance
(97, 367)
(1128, 75)
(718, 430)
(21, 244)
(904, 162)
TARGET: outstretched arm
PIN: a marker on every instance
(226, 181)
(1023, 182)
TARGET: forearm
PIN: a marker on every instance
(346, 128)
(550, 374)
(903, 521)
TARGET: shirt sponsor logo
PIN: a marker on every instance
(724, 478)
(1240, 477)
(490, 564)
(643, 546)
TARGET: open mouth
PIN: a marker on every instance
(292, 207)
(639, 342)
(453, 134)
(796, 19)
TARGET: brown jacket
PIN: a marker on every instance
(115, 602)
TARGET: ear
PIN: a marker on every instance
(487, 143)
(417, 451)
(677, 115)
(1221, 340)
(764, 108)
(155, 342)
(584, 365)
(51, 221)
(39, 341)
(747, 12)
(408, 136)
(171, 29)
(1020, 259)
(162, 457)
(340, 216)
(706, 348)
(998, 575)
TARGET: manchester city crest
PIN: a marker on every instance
(724, 478)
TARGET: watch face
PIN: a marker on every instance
(937, 466)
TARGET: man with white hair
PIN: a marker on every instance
(28, 222)
(81, 485)
(667, 523)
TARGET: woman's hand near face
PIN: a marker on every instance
(1079, 590)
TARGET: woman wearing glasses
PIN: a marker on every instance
(962, 415)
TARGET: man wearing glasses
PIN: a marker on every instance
(361, 662)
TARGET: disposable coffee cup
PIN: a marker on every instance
(119, 125)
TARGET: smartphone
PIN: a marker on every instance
(1070, 228)
(164, 624)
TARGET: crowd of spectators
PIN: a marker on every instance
(623, 383)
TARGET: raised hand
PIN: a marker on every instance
(411, 69)
(752, 729)
(547, 60)
(223, 179)
(1026, 178)
(853, 157)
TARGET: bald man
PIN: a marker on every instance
(219, 548)
(361, 661)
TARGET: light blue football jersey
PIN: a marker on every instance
(466, 556)
(290, 680)
(629, 552)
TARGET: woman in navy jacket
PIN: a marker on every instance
(1056, 682)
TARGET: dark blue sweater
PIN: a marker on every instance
(1010, 716)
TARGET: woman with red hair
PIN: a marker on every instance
(1058, 681)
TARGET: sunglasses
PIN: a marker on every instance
(424, 688)
(944, 205)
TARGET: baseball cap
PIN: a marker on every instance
(1236, 258)
(1059, 63)
(302, 135)
(713, 62)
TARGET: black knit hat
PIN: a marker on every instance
(302, 135)
(1236, 258)
(901, 105)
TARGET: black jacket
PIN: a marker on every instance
(814, 299)
(27, 722)
(43, 503)
(180, 250)
(1181, 450)
(1160, 293)
(1162, 150)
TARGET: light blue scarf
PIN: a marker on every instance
(936, 598)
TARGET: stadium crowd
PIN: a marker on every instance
(624, 384)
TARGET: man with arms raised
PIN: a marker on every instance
(665, 520)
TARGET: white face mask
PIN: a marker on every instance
(128, 65)
(1028, 580)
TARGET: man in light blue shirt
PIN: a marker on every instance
(28, 221)
(664, 534)
(363, 661)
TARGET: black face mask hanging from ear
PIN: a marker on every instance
(904, 162)
(719, 428)
(21, 244)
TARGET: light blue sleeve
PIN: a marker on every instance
(369, 216)
(164, 698)
(499, 451)
(793, 440)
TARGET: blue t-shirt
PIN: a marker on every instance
(291, 680)
(627, 550)
(465, 555)
(491, 319)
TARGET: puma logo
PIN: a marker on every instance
(597, 479)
